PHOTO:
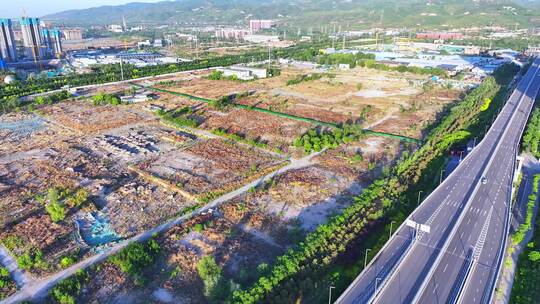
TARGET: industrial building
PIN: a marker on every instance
(73, 34)
(8, 49)
(32, 38)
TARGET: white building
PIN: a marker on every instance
(261, 38)
(231, 33)
(140, 96)
(158, 43)
(116, 28)
(145, 43)
(257, 25)
(257, 72)
(243, 72)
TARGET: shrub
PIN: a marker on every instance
(67, 261)
(534, 256)
(215, 286)
(105, 99)
(78, 199)
(57, 211)
(67, 290)
(135, 257)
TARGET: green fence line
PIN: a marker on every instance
(285, 115)
(394, 136)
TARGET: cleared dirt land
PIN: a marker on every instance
(76, 178)
(383, 101)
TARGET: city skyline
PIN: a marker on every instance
(40, 8)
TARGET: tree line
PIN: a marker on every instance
(10, 93)
(295, 272)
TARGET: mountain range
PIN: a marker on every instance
(314, 13)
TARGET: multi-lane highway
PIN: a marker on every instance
(451, 247)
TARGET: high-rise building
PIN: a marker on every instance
(231, 33)
(32, 40)
(52, 42)
(47, 42)
(56, 41)
(257, 25)
(8, 49)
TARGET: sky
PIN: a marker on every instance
(38, 8)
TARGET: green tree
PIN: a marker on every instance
(57, 211)
(534, 256)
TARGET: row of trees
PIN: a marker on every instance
(295, 272)
(527, 279)
(112, 72)
(519, 235)
(350, 59)
(309, 77)
(13, 102)
(531, 137)
(372, 64)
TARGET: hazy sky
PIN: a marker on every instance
(37, 8)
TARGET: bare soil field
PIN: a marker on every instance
(139, 171)
(82, 116)
(244, 235)
(394, 102)
(134, 171)
(210, 167)
(233, 235)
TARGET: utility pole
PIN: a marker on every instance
(390, 234)
(121, 69)
(330, 295)
(269, 54)
(365, 257)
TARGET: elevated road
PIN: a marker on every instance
(451, 247)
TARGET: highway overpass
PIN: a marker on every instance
(451, 248)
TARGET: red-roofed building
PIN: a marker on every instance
(439, 35)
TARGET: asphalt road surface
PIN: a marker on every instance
(458, 258)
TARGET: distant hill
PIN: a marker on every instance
(355, 13)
